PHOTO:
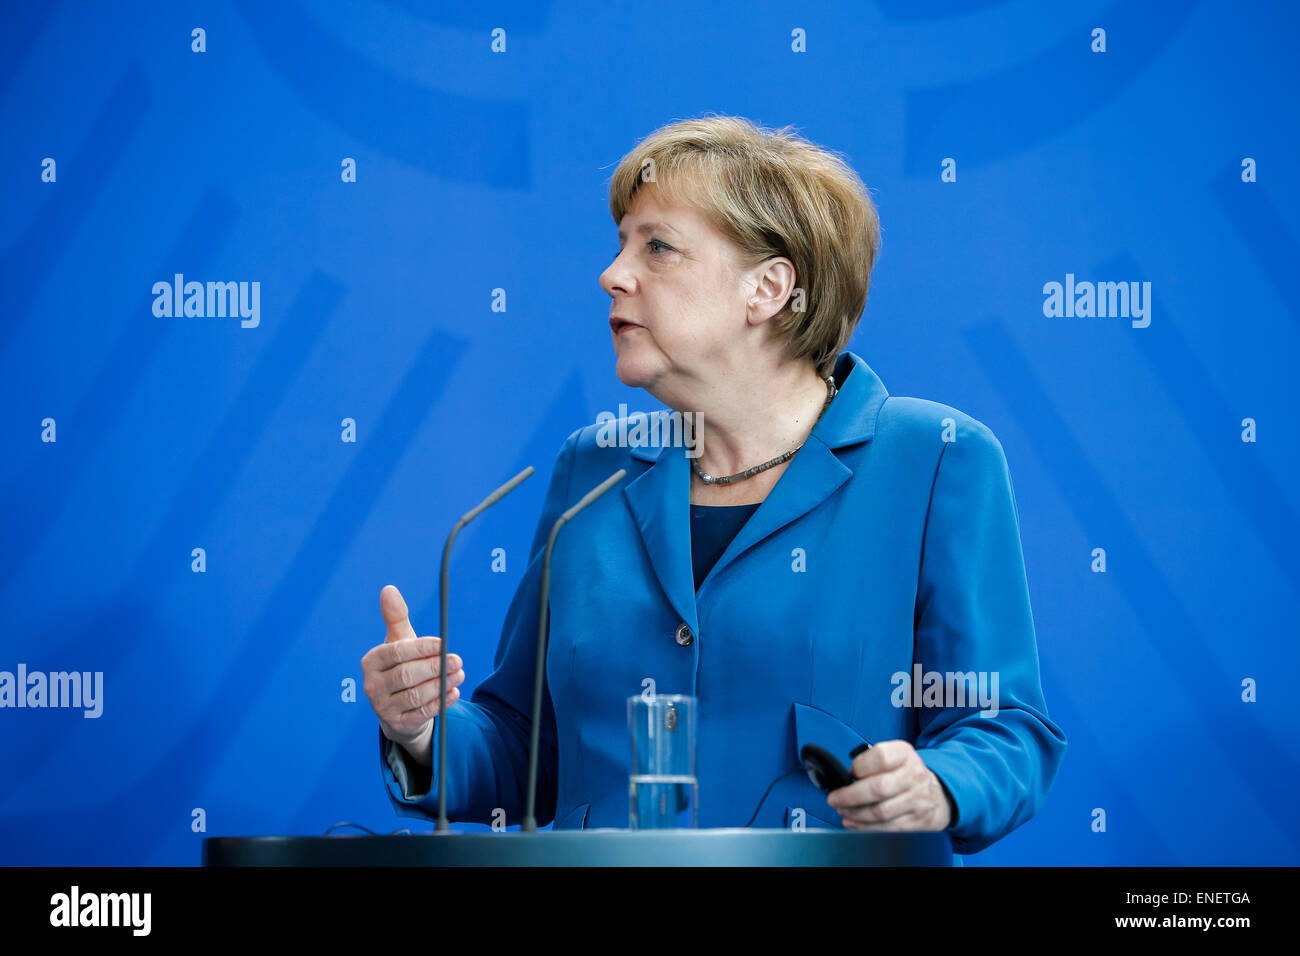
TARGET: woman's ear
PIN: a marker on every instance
(773, 286)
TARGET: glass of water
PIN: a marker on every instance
(662, 788)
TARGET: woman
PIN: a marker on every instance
(805, 568)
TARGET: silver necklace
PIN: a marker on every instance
(728, 479)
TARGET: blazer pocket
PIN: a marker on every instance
(815, 726)
(811, 820)
(575, 819)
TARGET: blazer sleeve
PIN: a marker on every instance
(973, 614)
(488, 735)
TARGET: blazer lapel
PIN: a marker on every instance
(660, 502)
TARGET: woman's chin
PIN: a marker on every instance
(632, 371)
(628, 379)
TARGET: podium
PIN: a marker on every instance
(599, 847)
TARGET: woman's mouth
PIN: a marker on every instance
(622, 325)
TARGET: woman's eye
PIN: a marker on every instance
(655, 246)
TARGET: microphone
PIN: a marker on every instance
(530, 819)
(465, 519)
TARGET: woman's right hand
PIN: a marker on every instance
(401, 674)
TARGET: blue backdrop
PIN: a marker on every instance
(373, 173)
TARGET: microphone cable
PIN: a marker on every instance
(358, 826)
(763, 799)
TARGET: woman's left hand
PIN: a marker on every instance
(894, 790)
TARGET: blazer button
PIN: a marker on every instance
(684, 635)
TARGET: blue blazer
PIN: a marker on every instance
(889, 546)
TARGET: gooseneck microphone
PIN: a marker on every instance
(465, 519)
(530, 819)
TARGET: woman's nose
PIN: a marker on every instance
(615, 279)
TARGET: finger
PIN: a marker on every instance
(914, 819)
(393, 607)
(906, 821)
(413, 721)
(872, 790)
(885, 755)
(424, 701)
(885, 810)
(417, 670)
(388, 655)
(406, 677)
(391, 667)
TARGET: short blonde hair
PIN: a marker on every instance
(771, 193)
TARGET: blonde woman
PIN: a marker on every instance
(804, 568)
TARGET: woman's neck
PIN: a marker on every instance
(744, 420)
(743, 423)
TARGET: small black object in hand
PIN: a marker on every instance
(824, 768)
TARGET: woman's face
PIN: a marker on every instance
(677, 280)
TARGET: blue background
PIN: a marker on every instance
(479, 171)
